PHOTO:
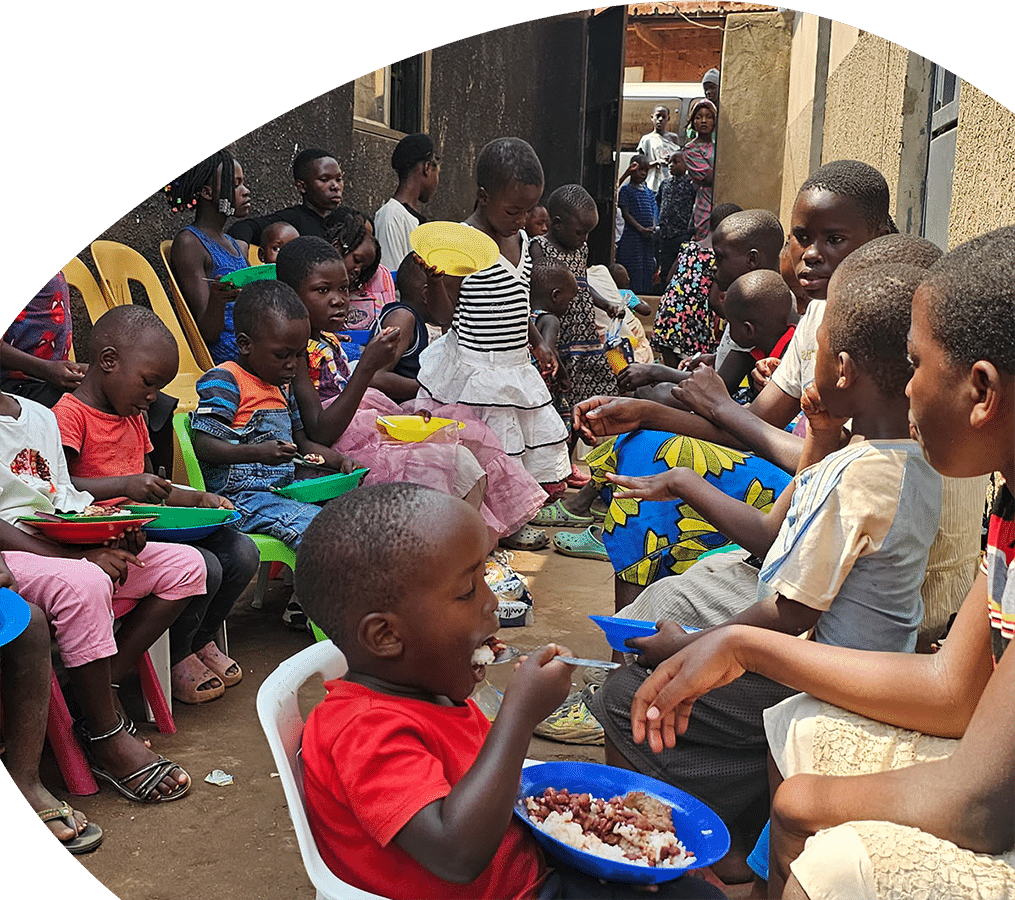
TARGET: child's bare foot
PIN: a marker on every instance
(135, 771)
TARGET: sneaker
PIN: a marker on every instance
(293, 616)
(593, 675)
(571, 723)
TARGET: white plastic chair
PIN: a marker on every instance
(279, 712)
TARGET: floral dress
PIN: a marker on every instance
(683, 321)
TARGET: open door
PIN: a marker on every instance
(604, 76)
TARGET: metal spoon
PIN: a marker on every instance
(505, 655)
(579, 661)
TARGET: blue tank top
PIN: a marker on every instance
(223, 262)
(408, 365)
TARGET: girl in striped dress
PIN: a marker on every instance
(483, 360)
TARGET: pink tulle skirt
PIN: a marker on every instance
(450, 461)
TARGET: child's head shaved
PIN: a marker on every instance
(971, 294)
(126, 326)
(364, 552)
(868, 317)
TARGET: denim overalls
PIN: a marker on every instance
(248, 485)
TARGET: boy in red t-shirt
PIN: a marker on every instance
(409, 788)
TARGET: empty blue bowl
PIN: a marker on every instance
(619, 630)
(699, 829)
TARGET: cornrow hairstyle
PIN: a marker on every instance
(305, 157)
(757, 227)
(297, 259)
(393, 537)
(348, 230)
(569, 200)
(262, 303)
(869, 317)
(971, 300)
(507, 159)
(184, 191)
(720, 212)
(125, 326)
(859, 181)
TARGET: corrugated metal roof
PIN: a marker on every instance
(696, 8)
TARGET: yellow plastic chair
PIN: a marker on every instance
(118, 265)
(252, 256)
(78, 277)
(270, 548)
(197, 345)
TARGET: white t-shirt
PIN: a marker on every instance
(393, 224)
(33, 468)
(656, 147)
(796, 370)
(855, 542)
(726, 346)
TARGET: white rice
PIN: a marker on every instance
(564, 829)
(483, 656)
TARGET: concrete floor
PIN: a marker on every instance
(237, 841)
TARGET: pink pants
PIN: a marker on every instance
(77, 596)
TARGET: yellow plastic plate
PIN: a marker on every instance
(453, 248)
(413, 428)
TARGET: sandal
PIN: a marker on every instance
(556, 515)
(526, 538)
(587, 544)
(228, 670)
(192, 681)
(150, 775)
(85, 840)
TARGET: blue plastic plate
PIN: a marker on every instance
(192, 533)
(619, 630)
(699, 829)
(14, 615)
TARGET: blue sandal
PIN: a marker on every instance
(586, 544)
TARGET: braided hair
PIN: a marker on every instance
(348, 230)
(184, 191)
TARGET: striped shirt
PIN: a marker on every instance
(493, 306)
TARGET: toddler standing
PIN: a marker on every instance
(483, 361)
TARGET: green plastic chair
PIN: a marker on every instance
(270, 548)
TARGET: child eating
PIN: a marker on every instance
(409, 789)
(102, 428)
(247, 428)
(340, 408)
(273, 239)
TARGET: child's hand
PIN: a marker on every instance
(338, 461)
(702, 391)
(563, 381)
(601, 416)
(114, 561)
(274, 453)
(65, 374)
(819, 422)
(547, 359)
(208, 500)
(540, 683)
(690, 363)
(662, 706)
(147, 488)
(616, 310)
(655, 648)
(661, 486)
(133, 540)
(763, 370)
(221, 292)
(382, 350)
(635, 376)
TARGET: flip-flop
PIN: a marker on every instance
(526, 538)
(556, 515)
(584, 545)
(85, 841)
